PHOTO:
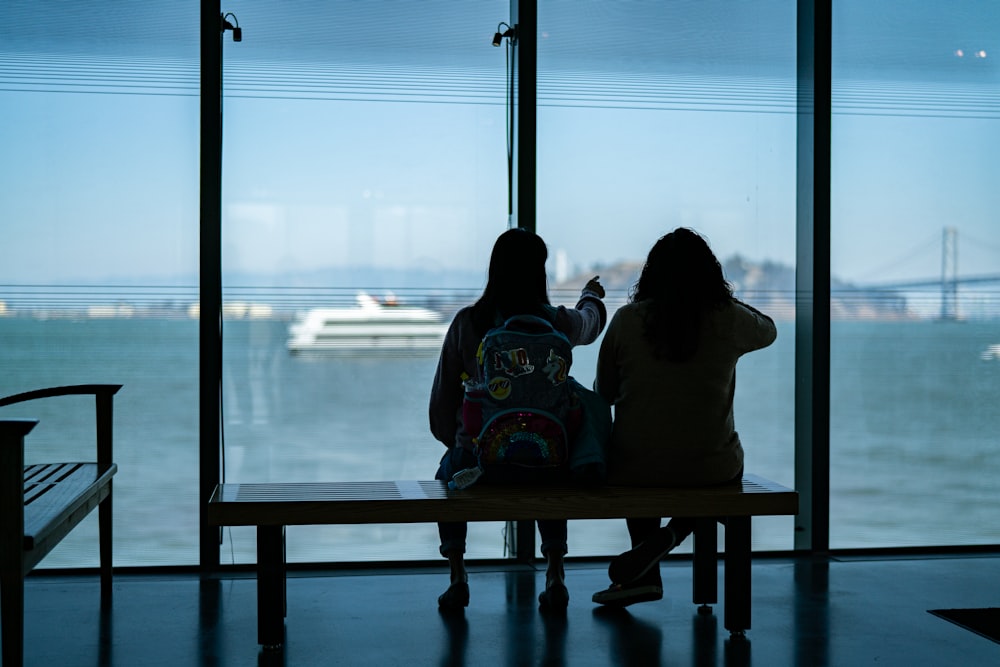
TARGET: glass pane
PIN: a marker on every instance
(99, 260)
(653, 116)
(915, 367)
(364, 162)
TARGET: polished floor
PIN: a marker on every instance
(861, 610)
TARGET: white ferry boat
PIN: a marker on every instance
(990, 353)
(372, 327)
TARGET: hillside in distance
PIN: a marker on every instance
(767, 285)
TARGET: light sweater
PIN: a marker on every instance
(673, 422)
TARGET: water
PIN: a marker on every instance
(914, 420)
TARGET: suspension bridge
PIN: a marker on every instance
(948, 282)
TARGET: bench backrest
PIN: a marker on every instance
(104, 410)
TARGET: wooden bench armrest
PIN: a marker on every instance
(104, 399)
(57, 497)
(67, 390)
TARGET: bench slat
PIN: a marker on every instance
(57, 496)
(306, 503)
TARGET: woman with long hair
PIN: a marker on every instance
(516, 285)
(668, 366)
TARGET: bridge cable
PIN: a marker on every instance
(934, 240)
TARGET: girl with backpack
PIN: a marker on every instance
(516, 285)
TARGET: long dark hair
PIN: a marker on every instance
(516, 284)
(681, 281)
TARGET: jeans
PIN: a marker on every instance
(453, 533)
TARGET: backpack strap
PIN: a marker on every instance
(529, 324)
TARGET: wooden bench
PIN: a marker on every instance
(41, 503)
(271, 507)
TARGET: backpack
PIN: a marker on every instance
(522, 405)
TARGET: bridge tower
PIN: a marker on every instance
(949, 274)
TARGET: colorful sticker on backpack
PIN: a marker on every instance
(520, 410)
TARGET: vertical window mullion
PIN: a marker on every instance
(812, 319)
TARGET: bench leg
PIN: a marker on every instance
(12, 616)
(737, 617)
(706, 557)
(523, 547)
(12, 545)
(105, 529)
(271, 603)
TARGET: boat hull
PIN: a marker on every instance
(369, 345)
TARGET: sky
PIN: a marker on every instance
(385, 145)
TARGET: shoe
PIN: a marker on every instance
(456, 597)
(618, 595)
(632, 565)
(554, 598)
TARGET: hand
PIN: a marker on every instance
(594, 287)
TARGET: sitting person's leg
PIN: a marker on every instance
(642, 558)
(650, 543)
(635, 573)
(645, 588)
(638, 561)
(453, 537)
(640, 529)
(554, 536)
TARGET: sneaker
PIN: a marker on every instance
(617, 595)
(554, 598)
(647, 589)
(456, 597)
(632, 565)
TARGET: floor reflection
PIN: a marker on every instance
(456, 636)
(634, 642)
(807, 611)
(555, 625)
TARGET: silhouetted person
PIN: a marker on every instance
(516, 285)
(668, 366)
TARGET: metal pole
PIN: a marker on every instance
(210, 300)
(524, 17)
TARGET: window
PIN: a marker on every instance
(99, 260)
(914, 378)
(653, 116)
(360, 165)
